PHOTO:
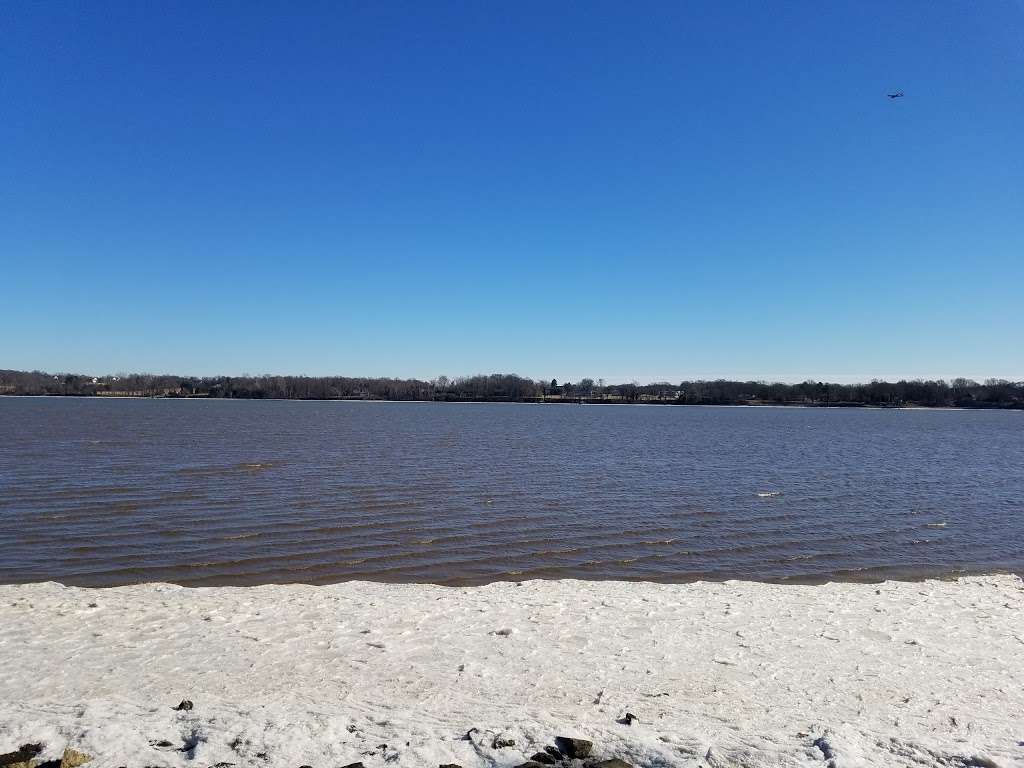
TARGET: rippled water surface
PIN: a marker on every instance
(101, 492)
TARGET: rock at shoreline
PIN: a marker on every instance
(502, 740)
(184, 706)
(613, 763)
(531, 764)
(354, 765)
(449, 765)
(628, 719)
(573, 747)
(72, 758)
(543, 757)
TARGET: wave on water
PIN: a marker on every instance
(233, 469)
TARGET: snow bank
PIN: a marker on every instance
(719, 674)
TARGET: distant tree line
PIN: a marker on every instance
(497, 387)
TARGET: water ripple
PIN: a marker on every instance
(111, 492)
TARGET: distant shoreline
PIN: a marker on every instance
(511, 388)
(536, 401)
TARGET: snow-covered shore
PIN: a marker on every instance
(719, 674)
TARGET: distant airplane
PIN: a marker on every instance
(897, 95)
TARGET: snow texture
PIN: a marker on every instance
(717, 674)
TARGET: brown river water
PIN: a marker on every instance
(103, 492)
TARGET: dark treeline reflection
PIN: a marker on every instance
(993, 393)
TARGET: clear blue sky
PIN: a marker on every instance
(617, 190)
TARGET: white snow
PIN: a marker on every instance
(719, 674)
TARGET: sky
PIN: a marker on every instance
(629, 191)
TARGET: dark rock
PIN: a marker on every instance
(305, 766)
(613, 763)
(823, 745)
(530, 764)
(573, 747)
(162, 743)
(627, 719)
(22, 754)
(354, 765)
(501, 741)
(184, 706)
(30, 750)
(449, 765)
(543, 757)
(555, 752)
